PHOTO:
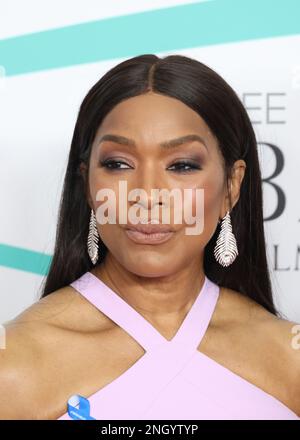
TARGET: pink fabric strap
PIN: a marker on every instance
(118, 310)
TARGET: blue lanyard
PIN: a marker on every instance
(79, 408)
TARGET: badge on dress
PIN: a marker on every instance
(79, 408)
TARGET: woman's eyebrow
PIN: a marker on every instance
(172, 143)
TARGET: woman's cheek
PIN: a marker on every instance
(194, 210)
(203, 207)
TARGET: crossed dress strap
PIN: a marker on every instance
(129, 319)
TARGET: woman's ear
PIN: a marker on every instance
(234, 186)
(238, 173)
(84, 174)
(82, 169)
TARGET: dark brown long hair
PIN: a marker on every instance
(207, 93)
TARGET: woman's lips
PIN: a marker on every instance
(154, 238)
(149, 233)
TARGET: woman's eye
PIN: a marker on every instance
(182, 166)
(185, 166)
(113, 164)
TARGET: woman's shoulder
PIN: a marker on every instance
(35, 354)
(21, 361)
(276, 330)
(274, 339)
(64, 309)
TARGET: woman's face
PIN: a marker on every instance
(149, 120)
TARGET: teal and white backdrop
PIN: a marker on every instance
(52, 52)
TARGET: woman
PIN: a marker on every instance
(161, 324)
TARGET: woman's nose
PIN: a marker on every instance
(147, 188)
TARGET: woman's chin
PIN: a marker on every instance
(149, 267)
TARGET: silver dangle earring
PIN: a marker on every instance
(93, 238)
(226, 251)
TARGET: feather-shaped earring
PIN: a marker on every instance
(226, 251)
(93, 237)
